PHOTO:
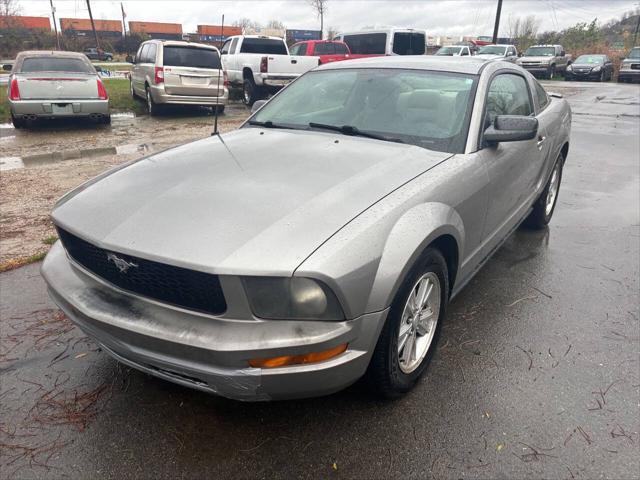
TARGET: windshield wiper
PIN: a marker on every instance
(353, 131)
(267, 124)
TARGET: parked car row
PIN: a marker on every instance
(46, 84)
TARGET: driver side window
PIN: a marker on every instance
(225, 48)
(508, 95)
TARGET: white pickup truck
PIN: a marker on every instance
(261, 65)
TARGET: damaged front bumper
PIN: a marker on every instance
(210, 353)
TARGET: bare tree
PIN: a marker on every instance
(523, 31)
(246, 24)
(332, 32)
(320, 7)
(9, 8)
(276, 25)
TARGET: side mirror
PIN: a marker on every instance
(257, 105)
(7, 67)
(511, 128)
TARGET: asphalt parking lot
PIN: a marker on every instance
(537, 374)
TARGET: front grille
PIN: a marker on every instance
(168, 284)
(635, 66)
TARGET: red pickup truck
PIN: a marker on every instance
(327, 50)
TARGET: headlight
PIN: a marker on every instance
(597, 69)
(569, 68)
(284, 298)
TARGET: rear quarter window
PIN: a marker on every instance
(367, 43)
(408, 43)
(191, 57)
(55, 64)
(263, 45)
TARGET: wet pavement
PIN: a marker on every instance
(536, 375)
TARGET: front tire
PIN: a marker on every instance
(551, 74)
(544, 207)
(408, 339)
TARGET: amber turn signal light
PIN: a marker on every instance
(298, 359)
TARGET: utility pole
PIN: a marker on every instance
(497, 24)
(55, 26)
(222, 33)
(93, 25)
(124, 24)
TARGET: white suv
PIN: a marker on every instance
(183, 73)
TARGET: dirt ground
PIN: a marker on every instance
(28, 193)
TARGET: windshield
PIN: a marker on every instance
(634, 53)
(190, 57)
(540, 52)
(423, 108)
(594, 59)
(55, 64)
(264, 45)
(448, 51)
(492, 50)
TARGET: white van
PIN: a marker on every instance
(388, 41)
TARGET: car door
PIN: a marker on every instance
(136, 71)
(513, 167)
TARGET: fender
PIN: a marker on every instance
(409, 237)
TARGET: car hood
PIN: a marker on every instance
(536, 59)
(259, 203)
(585, 65)
(488, 55)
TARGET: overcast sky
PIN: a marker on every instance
(463, 17)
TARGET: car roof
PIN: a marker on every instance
(180, 43)
(52, 53)
(469, 65)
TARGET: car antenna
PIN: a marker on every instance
(215, 120)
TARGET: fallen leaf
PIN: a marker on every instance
(499, 447)
(335, 466)
(83, 354)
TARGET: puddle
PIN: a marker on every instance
(10, 163)
(6, 125)
(123, 115)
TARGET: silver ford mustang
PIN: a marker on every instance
(321, 241)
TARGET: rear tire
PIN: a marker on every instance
(389, 375)
(105, 120)
(18, 122)
(544, 207)
(153, 108)
(251, 93)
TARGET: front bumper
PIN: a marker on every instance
(206, 352)
(536, 69)
(162, 97)
(54, 109)
(572, 75)
(629, 75)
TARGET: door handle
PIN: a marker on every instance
(541, 140)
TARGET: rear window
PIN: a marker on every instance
(408, 43)
(263, 45)
(324, 49)
(191, 57)
(55, 64)
(367, 43)
(341, 48)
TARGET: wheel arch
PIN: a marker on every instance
(565, 151)
(441, 228)
(247, 73)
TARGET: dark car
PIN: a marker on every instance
(590, 67)
(98, 54)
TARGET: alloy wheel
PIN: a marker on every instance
(418, 322)
(552, 193)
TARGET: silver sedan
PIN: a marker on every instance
(321, 241)
(50, 84)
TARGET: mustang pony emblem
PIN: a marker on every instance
(122, 265)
